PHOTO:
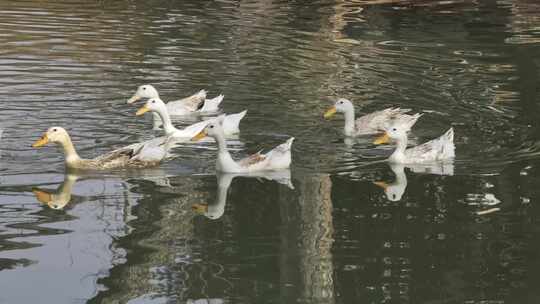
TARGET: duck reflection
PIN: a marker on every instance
(216, 210)
(394, 191)
(61, 197)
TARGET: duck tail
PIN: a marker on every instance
(287, 144)
(399, 110)
(448, 146)
(201, 94)
(231, 123)
(449, 135)
(212, 104)
(414, 118)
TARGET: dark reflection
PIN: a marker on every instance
(59, 198)
(307, 236)
(215, 210)
(395, 190)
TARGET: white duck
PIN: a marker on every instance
(139, 155)
(196, 103)
(276, 159)
(438, 149)
(370, 123)
(231, 123)
(216, 210)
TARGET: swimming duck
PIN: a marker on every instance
(138, 155)
(438, 149)
(275, 159)
(370, 123)
(194, 103)
(231, 123)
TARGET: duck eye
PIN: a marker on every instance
(211, 127)
(54, 130)
(153, 101)
(394, 129)
(144, 88)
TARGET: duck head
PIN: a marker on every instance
(213, 129)
(54, 134)
(154, 105)
(144, 91)
(342, 105)
(392, 133)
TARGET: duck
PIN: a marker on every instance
(436, 150)
(61, 197)
(231, 122)
(216, 210)
(371, 123)
(185, 106)
(138, 155)
(275, 159)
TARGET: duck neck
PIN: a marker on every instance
(69, 151)
(399, 153)
(222, 144)
(224, 159)
(349, 122)
(166, 120)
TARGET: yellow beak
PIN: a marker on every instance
(330, 112)
(200, 208)
(41, 142)
(133, 98)
(382, 139)
(42, 196)
(199, 136)
(142, 110)
(381, 184)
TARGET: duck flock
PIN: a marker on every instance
(393, 123)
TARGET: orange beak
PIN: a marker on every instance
(330, 112)
(382, 139)
(199, 136)
(41, 142)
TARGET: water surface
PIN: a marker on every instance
(179, 233)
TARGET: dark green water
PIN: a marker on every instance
(465, 233)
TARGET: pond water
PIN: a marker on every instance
(467, 232)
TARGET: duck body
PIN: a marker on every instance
(370, 123)
(275, 159)
(231, 123)
(139, 155)
(436, 150)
